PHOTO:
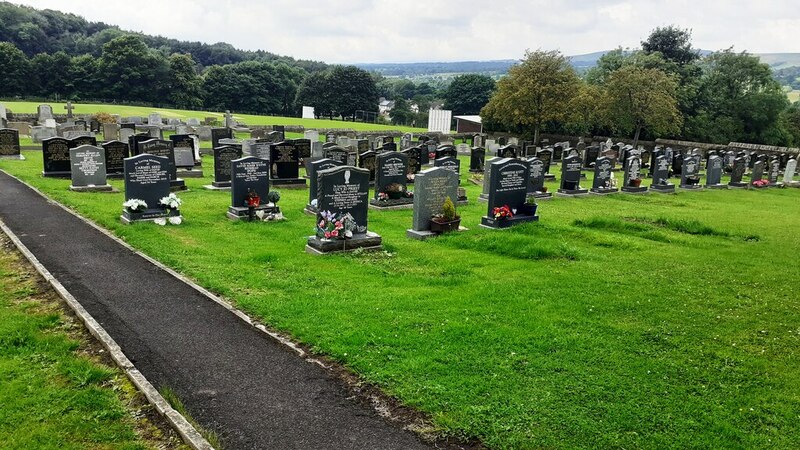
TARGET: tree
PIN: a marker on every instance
(184, 86)
(15, 67)
(340, 91)
(586, 109)
(642, 98)
(84, 79)
(791, 123)
(133, 71)
(401, 114)
(467, 94)
(536, 91)
(740, 100)
(51, 73)
(674, 44)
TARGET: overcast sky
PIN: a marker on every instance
(349, 31)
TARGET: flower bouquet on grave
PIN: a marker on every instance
(171, 203)
(502, 212)
(761, 183)
(335, 226)
(252, 200)
(135, 205)
(448, 220)
(410, 177)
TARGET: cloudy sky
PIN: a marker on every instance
(348, 31)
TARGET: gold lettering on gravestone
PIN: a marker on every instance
(285, 154)
(58, 151)
(7, 144)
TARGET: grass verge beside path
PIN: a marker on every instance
(57, 388)
(656, 321)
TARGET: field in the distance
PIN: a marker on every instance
(144, 111)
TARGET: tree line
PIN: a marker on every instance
(665, 89)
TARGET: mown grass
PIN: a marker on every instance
(142, 111)
(586, 330)
(52, 397)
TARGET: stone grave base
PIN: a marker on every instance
(147, 216)
(738, 185)
(92, 188)
(476, 181)
(369, 242)
(13, 157)
(240, 213)
(776, 185)
(491, 222)
(635, 190)
(401, 203)
(483, 198)
(692, 187)
(289, 183)
(190, 173)
(794, 184)
(177, 185)
(211, 187)
(572, 192)
(549, 177)
(539, 196)
(716, 186)
(663, 188)
(310, 210)
(603, 191)
(57, 174)
(426, 234)
(115, 176)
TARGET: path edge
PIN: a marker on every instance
(188, 433)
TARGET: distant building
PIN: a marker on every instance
(385, 106)
(468, 124)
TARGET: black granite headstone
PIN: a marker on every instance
(223, 158)
(116, 152)
(477, 156)
(55, 155)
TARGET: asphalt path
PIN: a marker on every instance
(253, 391)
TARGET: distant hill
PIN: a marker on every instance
(500, 67)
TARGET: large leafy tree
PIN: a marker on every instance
(252, 86)
(313, 92)
(132, 70)
(15, 70)
(674, 44)
(85, 81)
(639, 98)
(467, 94)
(51, 74)
(340, 91)
(538, 90)
(740, 100)
(184, 86)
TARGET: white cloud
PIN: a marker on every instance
(446, 30)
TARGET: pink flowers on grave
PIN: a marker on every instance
(761, 183)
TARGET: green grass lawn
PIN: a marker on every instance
(52, 396)
(126, 111)
(658, 321)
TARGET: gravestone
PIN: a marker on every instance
(536, 185)
(110, 132)
(186, 152)
(81, 123)
(476, 158)
(509, 187)
(218, 134)
(774, 172)
(414, 165)
(739, 168)
(714, 167)
(94, 126)
(259, 148)
(88, 169)
(677, 162)
(303, 147)
(558, 152)
(330, 137)
(450, 163)
(128, 125)
(125, 134)
(314, 167)
(316, 149)
(633, 176)
(602, 184)
(44, 112)
(249, 174)
(337, 154)
(546, 156)
(81, 140)
(391, 170)
(728, 160)
(135, 140)
(660, 169)
(343, 192)
(487, 173)
(159, 147)
(147, 179)
(571, 176)
(788, 174)
(690, 172)
(311, 135)
(757, 173)
(285, 161)
(223, 156)
(590, 156)
(405, 141)
(431, 189)
(9, 144)
(507, 151)
(367, 161)
(115, 152)
(55, 155)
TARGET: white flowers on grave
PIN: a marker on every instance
(171, 201)
(269, 217)
(135, 205)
